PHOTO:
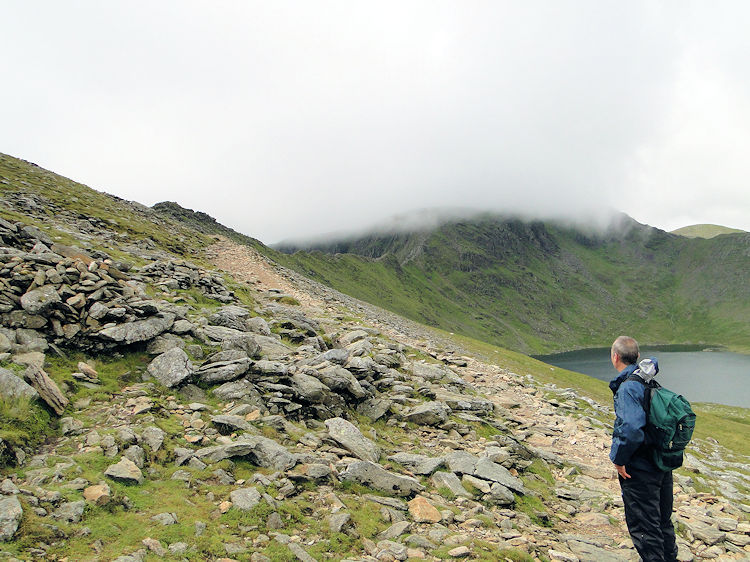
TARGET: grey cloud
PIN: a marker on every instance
(289, 120)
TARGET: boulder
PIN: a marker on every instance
(339, 379)
(71, 512)
(261, 451)
(171, 368)
(224, 366)
(41, 300)
(10, 517)
(429, 413)
(47, 389)
(230, 423)
(138, 331)
(153, 437)
(348, 436)
(422, 511)
(488, 470)
(12, 386)
(371, 474)
(418, 464)
(236, 390)
(245, 499)
(231, 316)
(449, 480)
(125, 471)
(309, 389)
(98, 494)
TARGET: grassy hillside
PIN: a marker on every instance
(705, 231)
(538, 287)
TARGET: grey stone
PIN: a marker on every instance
(165, 342)
(300, 552)
(178, 548)
(236, 390)
(461, 462)
(153, 437)
(396, 550)
(395, 530)
(12, 386)
(270, 368)
(429, 413)
(418, 464)
(589, 552)
(488, 470)
(165, 518)
(39, 301)
(171, 368)
(224, 366)
(245, 499)
(309, 388)
(10, 517)
(703, 532)
(138, 331)
(231, 316)
(261, 451)
(258, 325)
(125, 471)
(466, 403)
(273, 348)
(500, 495)
(231, 422)
(352, 337)
(374, 408)
(373, 475)
(450, 480)
(349, 437)
(8, 488)
(337, 522)
(135, 454)
(337, 355)
(72, 512)
(245, 343)
(339, 379)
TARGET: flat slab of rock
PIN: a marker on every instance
(245, 499)
(47, 389)
(10, 517)
(12, 386)
(138, 331)
(231, 422)
(125, 471)
(418, 464)
(429, 413)
(371, 474)
(450, 481)
(171, 367)
(261, 451)
(350, 438)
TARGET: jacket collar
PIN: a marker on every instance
(615, 383)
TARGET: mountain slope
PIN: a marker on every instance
(539, 287)
(705, 231)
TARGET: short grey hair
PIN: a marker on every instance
(627, 349)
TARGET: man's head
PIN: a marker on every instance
(624, 352)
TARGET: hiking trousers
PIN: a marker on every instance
(648, 500)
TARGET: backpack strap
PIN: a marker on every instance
(651, 387)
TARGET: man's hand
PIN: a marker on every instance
(621, 471)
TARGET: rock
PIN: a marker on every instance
(99, 494)
(371, 474)
(154, 546)
(153, 437)
(488, 470)
(703, 532)
(138, 331)
(461, 462)
(261, 451)
(422, 511)
(233, 423)
(339, 379)
(71, 512)
(418, 464)
(352, 337)
(12, 386)
(125, 471)
(10, 517)
(270, 368)
(389, 550)
(587, 551)
(309, 388)
(245, 343)
(41, 300)
(70, 426)
(374, 408)
(395, 530)
(429, 413)
(450, 480)
(460, 552)
(224, 366)
(500, 495)
(47, 389)
(165, 518)
(337, 522)
(300, 552)
(8, 488)
(171, 368)
(245, 499)
(231, 316)
(235, 390)
(349, 437)
(135, 454)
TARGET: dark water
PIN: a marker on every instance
(700, 376)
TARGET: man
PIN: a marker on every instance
(646, 490)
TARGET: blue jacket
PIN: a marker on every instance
(628, 436)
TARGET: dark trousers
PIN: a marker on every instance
(648, 499)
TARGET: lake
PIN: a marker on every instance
(700, 376)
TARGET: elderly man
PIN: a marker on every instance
(646, 490)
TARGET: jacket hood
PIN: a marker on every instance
(647, 369)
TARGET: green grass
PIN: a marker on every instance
(23, 423)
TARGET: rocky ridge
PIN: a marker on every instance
(295, 423)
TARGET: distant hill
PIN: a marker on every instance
(542, 286)
(705, 230)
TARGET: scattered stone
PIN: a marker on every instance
(125, 471)
(10, 517)
(165, 518)
(245, 499)
(71, 512)
(171, 368)
(371, 474)
(349, 437)
(422, 511)
(99, 494)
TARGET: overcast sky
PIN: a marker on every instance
(289, 119)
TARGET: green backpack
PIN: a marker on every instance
(669, 424)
